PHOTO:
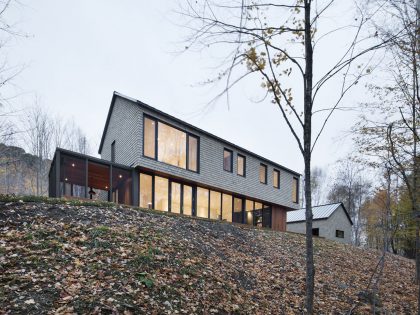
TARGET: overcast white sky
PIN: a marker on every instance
(78, 52)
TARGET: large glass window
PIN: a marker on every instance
(263, 173)
(215, 204)
(227, 207)
(276, 178)
(192, 153)
(240, 165)
(175, 197)
(72, 176)
(149, 148)
(146, 191)
(121, 186)
(187, 200)
(227, 160)
(249, 208)
(172, 145)
(161, 193)
(98, 181)
(295, 190)
(237, 210)
(258, 214)
(202, 202)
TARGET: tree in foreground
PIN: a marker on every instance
(281, 45)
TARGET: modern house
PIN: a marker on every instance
(330, 221)
(153, 160)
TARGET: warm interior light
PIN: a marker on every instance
(73, 165)
(120, 176)
(106, 187)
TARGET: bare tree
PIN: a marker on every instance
(351, 187)
(318, 185)
(390, 134)
(276, 42)
(39, 131)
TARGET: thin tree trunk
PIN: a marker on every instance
(415, 158)
(310, 267)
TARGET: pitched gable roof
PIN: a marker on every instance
(322, 212)
(155, 110)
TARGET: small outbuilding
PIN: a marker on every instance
(330, 221)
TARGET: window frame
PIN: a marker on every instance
(338, 233)
(231, 160)
(187, 136)
(244, 164)
(277, 173)
(265, 173)
(297, 190)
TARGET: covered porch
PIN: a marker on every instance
(74, 175)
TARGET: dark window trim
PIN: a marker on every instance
(265, 165)
(188, 134)
(188, 152)
(297, 190)
(244, 157)
(339, 233)
(231, 160)
(275, 171)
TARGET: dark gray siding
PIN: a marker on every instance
(126, 126)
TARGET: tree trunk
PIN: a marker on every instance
(307, 133)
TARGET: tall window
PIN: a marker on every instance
(187, 200)
(295, 190)
(227, 207)
(202, 202)
(215, 203)
(237, 210)
(240, 165)
(113, 151)
(276, 178)
(263, 173)
(149, 138)
(146, 191)
(192, 153)
(161, 193)
(227, 160)
(174, 146)
(175, 197)
(249, 208)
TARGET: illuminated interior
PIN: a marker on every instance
(161, 193)
(146, 191)
(172, 145)
(215, 204)
(202, 202)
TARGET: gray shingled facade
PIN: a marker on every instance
(125, 127)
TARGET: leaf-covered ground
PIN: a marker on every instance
(65, 258)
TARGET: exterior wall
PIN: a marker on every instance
(337, 221)
(278, 218)
(126, 128)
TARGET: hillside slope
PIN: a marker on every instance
(67, 258)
